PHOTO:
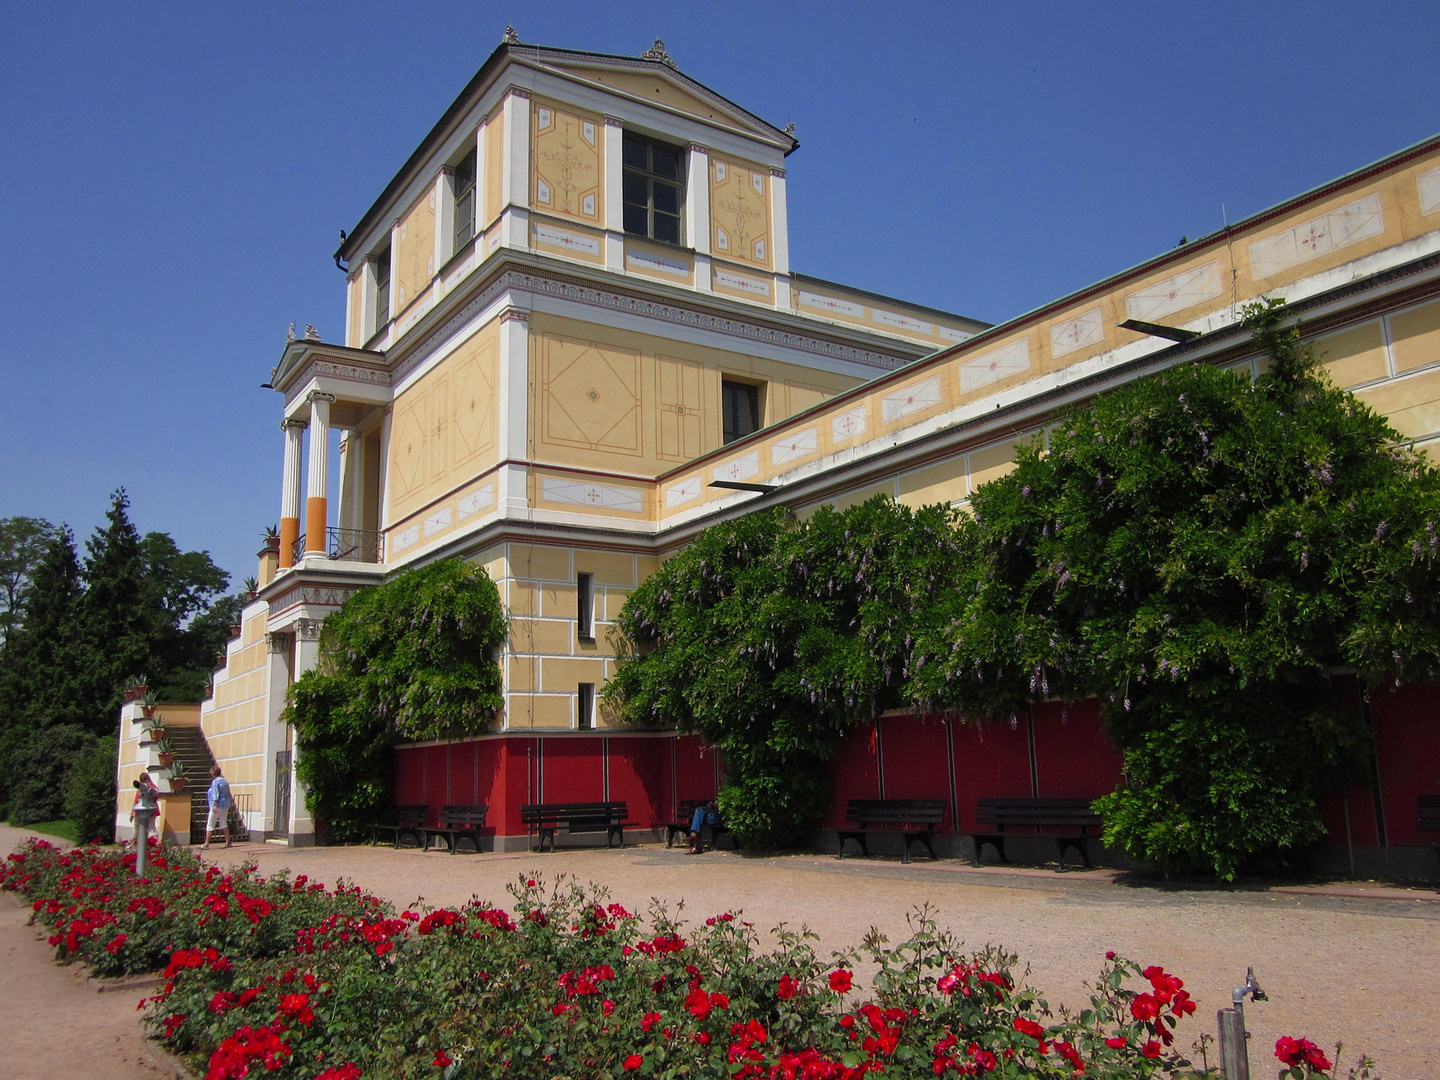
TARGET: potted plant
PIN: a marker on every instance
(148, 702)
(166, 752)
(152, 734)
(252, 586)
(272, 538)
(177, 777)
(135, 688)
(235, 629)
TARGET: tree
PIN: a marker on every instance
(410, 659)
(770, 638)
(90, 794)
(188, 626)
(1202, 551)
(23, 541)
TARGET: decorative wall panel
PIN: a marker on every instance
(739, 212)
(567, 164)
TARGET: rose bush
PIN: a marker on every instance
(286, 977)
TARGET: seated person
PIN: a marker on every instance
(709, 814)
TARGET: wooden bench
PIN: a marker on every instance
(684, 814)
(1427, 818)
(546, 819)
(1066, 821)
(914, 819)
(401, 821)
(459, 823)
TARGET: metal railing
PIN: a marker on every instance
(345, 545)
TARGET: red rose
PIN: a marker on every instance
(634, 1061)
(1151, 1049)
(442, 1059)
(788, 987)
(840, 980)
(1115, 1043)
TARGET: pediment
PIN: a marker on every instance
(670, 92)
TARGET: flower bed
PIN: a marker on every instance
(289, 978)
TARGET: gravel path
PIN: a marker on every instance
(1350, 963)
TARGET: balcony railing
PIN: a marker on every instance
(345, 545)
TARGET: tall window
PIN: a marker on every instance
(585, 706)
(585, 607)
(465, 200)
(741, 405)
(382, 291)
(653, 182)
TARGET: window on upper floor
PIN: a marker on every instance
(585, 706)
(382, 291)
(585, 606)
(465, 200)
(740, 404)
(654, 183)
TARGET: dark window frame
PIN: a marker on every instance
(642, 178)
(732, 391)
(585, 707)
(585, 607)
(466, 171)
(382, 291)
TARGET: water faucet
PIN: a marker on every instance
(1251, 988)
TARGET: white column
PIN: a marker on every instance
(614, 194)
(290, 491)
(443, 197)
(394, 280)
(515, 169)
(307, 653)
(780, 237)
(278, 648)
(481, 180)
(697, 211)
(514, 401)
(317, 480)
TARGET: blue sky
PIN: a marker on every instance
(173, 179)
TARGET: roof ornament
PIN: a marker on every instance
(311, 334)
(290, 334)
(657, 52)
(790, 129)
(511, 37)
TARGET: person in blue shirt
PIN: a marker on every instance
(219, 819)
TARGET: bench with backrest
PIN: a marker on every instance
(544, 820)
(913, 819)
(684, 814)
(1427, 817)
(399, 822)
(458, 823)
(1071, 823)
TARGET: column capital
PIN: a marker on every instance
(776, 170)
(698, 148)
(517, 314)
(519, 92)
(292, 422)
(279, 642)
(445, 170)
(613, 121)
(319, 395)
(308, 629)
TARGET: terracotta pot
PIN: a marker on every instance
(272, 543)
(177, 784)
(154, 734)
(149, 711)
(235, 629)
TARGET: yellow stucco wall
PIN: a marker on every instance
(494, 169)
(567, 162)
(234, 719)
(545, 660)
(611, 399)
(355, 308)
(1359, 219)
(740, 226)
(414, 255)
(442, 437)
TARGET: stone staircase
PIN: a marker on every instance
(190, 747)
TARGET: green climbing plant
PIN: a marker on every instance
(410, 659)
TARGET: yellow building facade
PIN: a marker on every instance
(574, 339)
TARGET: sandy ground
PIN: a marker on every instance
(1355, 963)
